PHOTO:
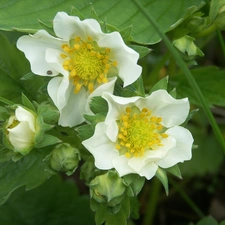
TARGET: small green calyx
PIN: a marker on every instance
(107, 188)
(65, 158)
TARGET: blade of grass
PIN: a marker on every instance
(187, 73)
(221, 41)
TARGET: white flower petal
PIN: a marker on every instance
(120, 163)
(54, 59)
(126, 57)
(101, 148)
(59, 91)
(34, 48)
(112, 131)
(68, 27)
(182, 150)
(24, 115)
(117, 105)
(71, 106)
(21, 136)
(173, 111)
(149, 170)
(107, 87)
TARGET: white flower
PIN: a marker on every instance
(141, 134)
(20, 130)
(85, 56)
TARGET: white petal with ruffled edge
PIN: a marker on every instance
(128, 70)
(101, 147)
(68, 27)
(71, 106)
(173, 111)
(182, 150)
(34, 48)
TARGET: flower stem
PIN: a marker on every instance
(221, 41)
(188, 75)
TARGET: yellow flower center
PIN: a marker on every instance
(138, 132)
(87, 63)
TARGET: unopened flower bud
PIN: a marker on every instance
(107, 188)
(65, 158)
(217, 13)
(20, 130)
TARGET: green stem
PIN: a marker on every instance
(152, 202)
(6, 101)
(187, 199)
(188, 75)
(221, 41)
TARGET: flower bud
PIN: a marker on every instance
(20, 130)
(217, 13)
(186, 45)
(107, 188)
(65, 158)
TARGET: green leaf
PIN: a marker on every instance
(207, 221)
(161, 84)
(55, 202)
(211, 82)
(13, 66)
(116, 12)
(161, 175)
(30, 171)
(222, 223)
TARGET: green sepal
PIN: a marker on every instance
(175, 170)
(162, 176)
(190, 116)
(99, 105)
(5, 154)
(121, 216)
(85, 131)
(94, 14)
(134, 184)
(100, 214)
(142, 50)
(126, 33)
(134, 89)
(48, 112)
(173, 92)
(28, 76)
(76, 12)
(48, 28)
(47, 140)
(94, 119)
(161, 84)
(27, 103)
(88, 171)
(4, 114)
(41, 139)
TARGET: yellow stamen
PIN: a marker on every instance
(139, 132)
